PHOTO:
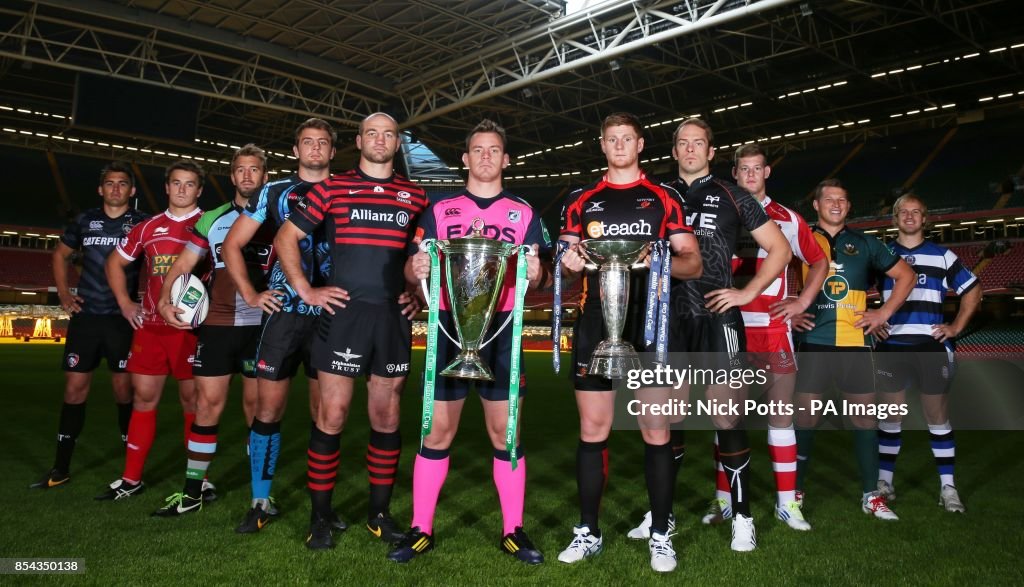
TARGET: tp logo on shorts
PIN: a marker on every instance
(836, 287)
(73, 360)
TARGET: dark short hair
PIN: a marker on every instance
(317, 123)
(831, 182)
(185, 166)
(117, 167)
(487, 125)
(250, 150)
(623, 119)
(749, 150)
(698, 122)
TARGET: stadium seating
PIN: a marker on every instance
(28, 269)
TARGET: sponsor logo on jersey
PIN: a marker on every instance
(400, 218)
(378, 189)
(598, 229)
(96, 225)
(850, 249)
(404, 197)
(448, 213)
(162, 230)
(506, 234)
(836, 288)
(73, 360)
(514, 216)
(100, 241)
(594, 207)
(704, 224)
(162, 263)
(397, 367)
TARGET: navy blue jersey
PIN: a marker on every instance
(938, 269)
(276, 202)
(95, 234)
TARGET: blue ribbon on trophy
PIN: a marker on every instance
(556, 328)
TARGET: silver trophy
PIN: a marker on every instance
(614, 358)
(475, 272)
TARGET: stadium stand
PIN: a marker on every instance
(27, 269)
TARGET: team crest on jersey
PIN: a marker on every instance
(515, 216)
(850, 249)
(403, 197)
(127, 227)
(73, 360)
(910, 259)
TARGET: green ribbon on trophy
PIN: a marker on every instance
(475, 273)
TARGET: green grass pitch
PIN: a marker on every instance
(121, 544)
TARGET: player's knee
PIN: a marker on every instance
(595, 428)
(384, 419)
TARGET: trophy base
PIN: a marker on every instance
(614, 360)
(468, 366)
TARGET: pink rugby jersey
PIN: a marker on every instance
(749, 257)
(506, 218)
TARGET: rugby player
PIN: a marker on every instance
(706, 316)
(288, 322)
(96, 329)
(838, 337)
(158, 349)
(768, 334)
(919, 348)
(507, 218)
(229, 335)
(622, 204)
(369, 214)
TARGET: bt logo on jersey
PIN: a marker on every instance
(597, 229)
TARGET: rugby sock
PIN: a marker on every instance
(865, 449)
(190, 417)
(511, 486)
(322, 463)
(782, 450)
(264, 446)
(72, 420)
(804, 446)
(428, 475)
(382, 466)
(141, 432)
(722, 489)
(944, 450)
(734, 450)
(890, 439)
(124, 415)
(659, 471)
(677, 439)
(591, 476)
(202, 445)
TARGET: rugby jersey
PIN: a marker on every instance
(160, 239)
(938, 269)
(506, 217)
(369, 221)
(749, 256)
(96, 235)
(854, 259)
(227, 306)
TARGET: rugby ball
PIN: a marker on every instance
(189, 294)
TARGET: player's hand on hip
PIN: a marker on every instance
(410, 304)
(325, 297)
(71, 303)
(944, 332)
(786, 309)
(573, 260)
(269, 301)
(720, 300)
(421, 265)
(870, 320)
(134, 314)
(802, 322)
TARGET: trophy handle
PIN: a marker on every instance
(523, 249)
(426, 296)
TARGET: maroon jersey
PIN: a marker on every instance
(369, 223)
(160, 239)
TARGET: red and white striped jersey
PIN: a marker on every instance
(749, 257)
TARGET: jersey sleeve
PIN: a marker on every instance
(571, 218)
(882, 258)
(958, 277)
(675, 218)
(426, 228)
(804, 245)
(130, 246)
(257, 207)
(752, 215)
(311, 209)
(537, 234)
(72, 236)
(199, 237)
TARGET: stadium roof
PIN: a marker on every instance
(791, 73)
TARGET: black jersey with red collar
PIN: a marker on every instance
(642, 210)
(717, 210)
(369, 222)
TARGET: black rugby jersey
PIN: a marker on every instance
(717, 210)
(369, 222)
(95, 234)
